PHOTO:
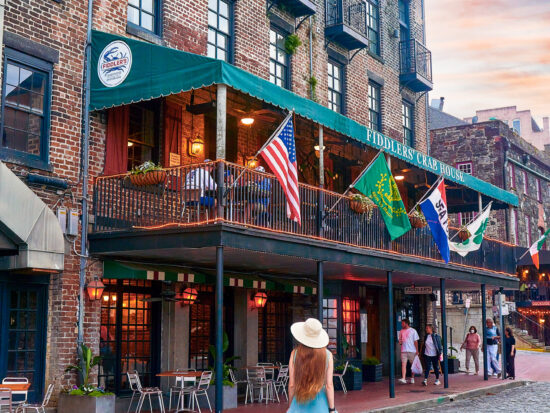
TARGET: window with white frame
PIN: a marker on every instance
(465, 167)
(514, 225)
(528, 230)
(335, 72)
(375, 106)
(278, 59)
(512, 175)
(525, 182)
(516, 125)
(465, 218)
(539, 191)
(145, 14)
(219, 12)
(407, 113)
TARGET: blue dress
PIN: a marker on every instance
(318, 405)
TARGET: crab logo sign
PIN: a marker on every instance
(115, 62)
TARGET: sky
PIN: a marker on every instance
(490, 53)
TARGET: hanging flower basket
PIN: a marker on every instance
(362, 205)
(417, 220)
(463, 234)
(147, 174)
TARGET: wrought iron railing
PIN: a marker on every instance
(352, 13)
(415, 58)
(224, 192)
(537, 330)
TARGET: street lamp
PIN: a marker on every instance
(95, 289)
(260, 299)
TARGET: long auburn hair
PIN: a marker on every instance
(309, 372)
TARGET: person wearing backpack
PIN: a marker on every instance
(431, 352)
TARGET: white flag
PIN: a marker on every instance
(476, 229)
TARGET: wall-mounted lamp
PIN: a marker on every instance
(251, 162)
(130, 144)
(196, 146)
(189, 296)
(247, 120)
(318, 150)
(95, 289)
(260, 299)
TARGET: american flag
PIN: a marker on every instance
(280, 155)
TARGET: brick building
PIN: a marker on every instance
(364, 60)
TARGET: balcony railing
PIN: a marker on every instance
(189, 195)
(415, 65)
(346, 22)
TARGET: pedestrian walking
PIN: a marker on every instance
(310, 386)
(408, 339)
(510, 349)
(431, 352)
(471, 344)
(493, 338)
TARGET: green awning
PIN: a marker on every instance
(126, 71)
(136, 271)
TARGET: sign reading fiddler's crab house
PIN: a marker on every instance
(115, 62)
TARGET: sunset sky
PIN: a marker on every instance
(490, 53)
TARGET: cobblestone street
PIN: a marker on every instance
(532, 398)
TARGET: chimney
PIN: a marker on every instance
(442, 102)
(546, 126)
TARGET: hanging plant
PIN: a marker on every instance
(417, 219)
(313, 84)
(463, 233)
(292, 42)
(362, 205)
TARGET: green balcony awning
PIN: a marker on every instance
(126, 71)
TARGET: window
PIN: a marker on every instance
(539, 191)
(350, 318)
(407, 111)
(514, 225)
(26, 97)
(145, 14)
(335, 79)
(465, 218)
(375, 110)
(528, 230)
(141, 136)
(512, 175)
(516, 125)
(525, 182)
(200, 326)
(278, 59)
(404, 33)
(219, 29)
(273, 337)
(330, 322)
(465, 167)
(373, 26)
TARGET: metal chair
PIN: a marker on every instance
(280, 383)
(257, 380)
(269, 370)
(199, 390)
(135, 386)
(180, 384)
(17, 380)
(341, 377)
(38, 408)
(5, 400)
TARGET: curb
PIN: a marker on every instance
(425, 404)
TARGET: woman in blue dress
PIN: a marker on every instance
(310, 386)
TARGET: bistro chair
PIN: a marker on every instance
(135, 386)
(280, 383)
(36, 407)
(179, 385)
(341, 377)
(257, 380)
(199, 390)
(191, 203)
(17, 380)
(269, 370)
(5, 400)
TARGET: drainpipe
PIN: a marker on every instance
(505, 145)
(2, 7)
(427, 96)
(310, 56)
(85, 166)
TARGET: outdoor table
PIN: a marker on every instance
(174, 373)
(17, 388)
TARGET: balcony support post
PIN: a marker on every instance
(221, 120)
(502, 345)
(484, 335)
(219, 329)
(391, 335)
(444, 333)
(320, 288)
(320, 193)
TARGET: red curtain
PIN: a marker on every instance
(116, 152)
(173, 124)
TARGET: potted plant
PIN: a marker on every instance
(452, 361)
(353, 379)
(86, 398)
(463, 233)
(362, 205)
(229, 388)
(417, 219)
(372, 369)
(148, 173)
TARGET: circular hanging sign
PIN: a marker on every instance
(115, 62)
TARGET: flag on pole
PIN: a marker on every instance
(280, 155)
(477, 230)
(434, 208)
(537, 246)
(377, 183)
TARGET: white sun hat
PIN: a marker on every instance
(310, 333)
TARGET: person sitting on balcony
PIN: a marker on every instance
(260, 203)
(201, 178)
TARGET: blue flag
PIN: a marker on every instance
(434, 209)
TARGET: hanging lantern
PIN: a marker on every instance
(318, 150)
(251, 162)
(195, 146)
(189, 296)
(260, 299)
(95, 289)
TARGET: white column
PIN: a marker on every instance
(221, 120)
(321, 157)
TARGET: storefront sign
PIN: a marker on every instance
(540, 303)
(175, 159)
(114, 64)
(418, 290)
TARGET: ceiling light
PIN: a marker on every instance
(399, 177)
(130, 144)
(247, 121)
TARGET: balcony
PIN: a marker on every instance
(249, 200)
(415, 66)
(298, 8)
(345, 23)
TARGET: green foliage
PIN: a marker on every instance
(313, 84)
(292, 42)
(145, 167)
(86, 363)
(225, 364)
(351, 367)
(94, 393)
(371, 361)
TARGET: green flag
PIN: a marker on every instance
(378, 184)
(476, 229)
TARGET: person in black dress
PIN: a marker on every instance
(510, 348)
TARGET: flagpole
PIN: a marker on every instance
(525, 253)
(353, 183)
(426, 194)
(246, 168)
(473, 219)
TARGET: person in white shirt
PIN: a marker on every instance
(432, 351)
(408, 339)
(201, 178)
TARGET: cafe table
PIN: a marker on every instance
(17, 389)
(185, 374)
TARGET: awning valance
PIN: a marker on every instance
(125, 71)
